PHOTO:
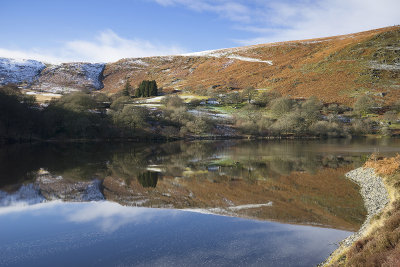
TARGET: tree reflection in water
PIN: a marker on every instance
(302, 179)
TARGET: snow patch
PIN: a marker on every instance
(93, 192)
(139, 62)
(229, 211)
(93, 73)
(25, 195)
(227, 53)
(19, 71)
(205, 53)
(390, 67)
(250, 206)
(249, 59)
(69, 77)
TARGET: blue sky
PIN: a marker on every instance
(104, 31)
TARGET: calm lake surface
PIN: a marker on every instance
(202, 203)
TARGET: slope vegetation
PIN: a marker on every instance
(335, 69)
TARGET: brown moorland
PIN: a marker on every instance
(335, 69)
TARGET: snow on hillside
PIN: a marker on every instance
(19, 71)
(69, 77)
(26, 195)
(54, 78)
(93, 73)
(226, 53)
(249, 59)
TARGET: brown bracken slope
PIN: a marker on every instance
(335, 69)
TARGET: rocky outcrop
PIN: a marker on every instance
(48, 187)
(19, 71)
(68, 77)
(54, 187)
(63, 78)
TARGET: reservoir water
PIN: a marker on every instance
(200, 203)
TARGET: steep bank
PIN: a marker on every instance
(377, 241)
(375, 196)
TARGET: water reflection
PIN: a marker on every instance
(148, 179)
(301, 181)
(107, 234)
(109, 216)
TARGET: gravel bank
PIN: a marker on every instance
(375, 196)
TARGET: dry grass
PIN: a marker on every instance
(381, 247)
(329, 68)
(384, 166)
(43, 98)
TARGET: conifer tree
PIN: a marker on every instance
(146, 89)
(127, 89)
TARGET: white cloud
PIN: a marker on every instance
(306, 19)
(266, 21)
(282, 20)
(32, 54)
(110, 216)
(107, 47)
(232, 10)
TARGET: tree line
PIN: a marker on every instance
(82, 115)
(146, 89)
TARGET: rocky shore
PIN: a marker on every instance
(375, 196)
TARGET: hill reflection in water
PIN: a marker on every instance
(298, 182)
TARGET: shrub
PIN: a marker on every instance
(120, 102)
(360, 126)
(363, 105)
(385, 131)
(77, 102)
(251, 113)
(198, 126)
(391, 115)
(280, 106)
(99, 98)
(173, 101)
(326, 129)
(249, 93)
(131, 117)
(310, 109)
(179, 115)
(232, 98)
(289, 123)
(264, 126)
(266, 97)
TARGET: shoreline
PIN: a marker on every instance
(376, 197)
(153, 139)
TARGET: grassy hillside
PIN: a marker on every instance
(335, 69)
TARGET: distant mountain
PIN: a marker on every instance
(61, 78)
(19, 71)
(69, 77)
(335, 69)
